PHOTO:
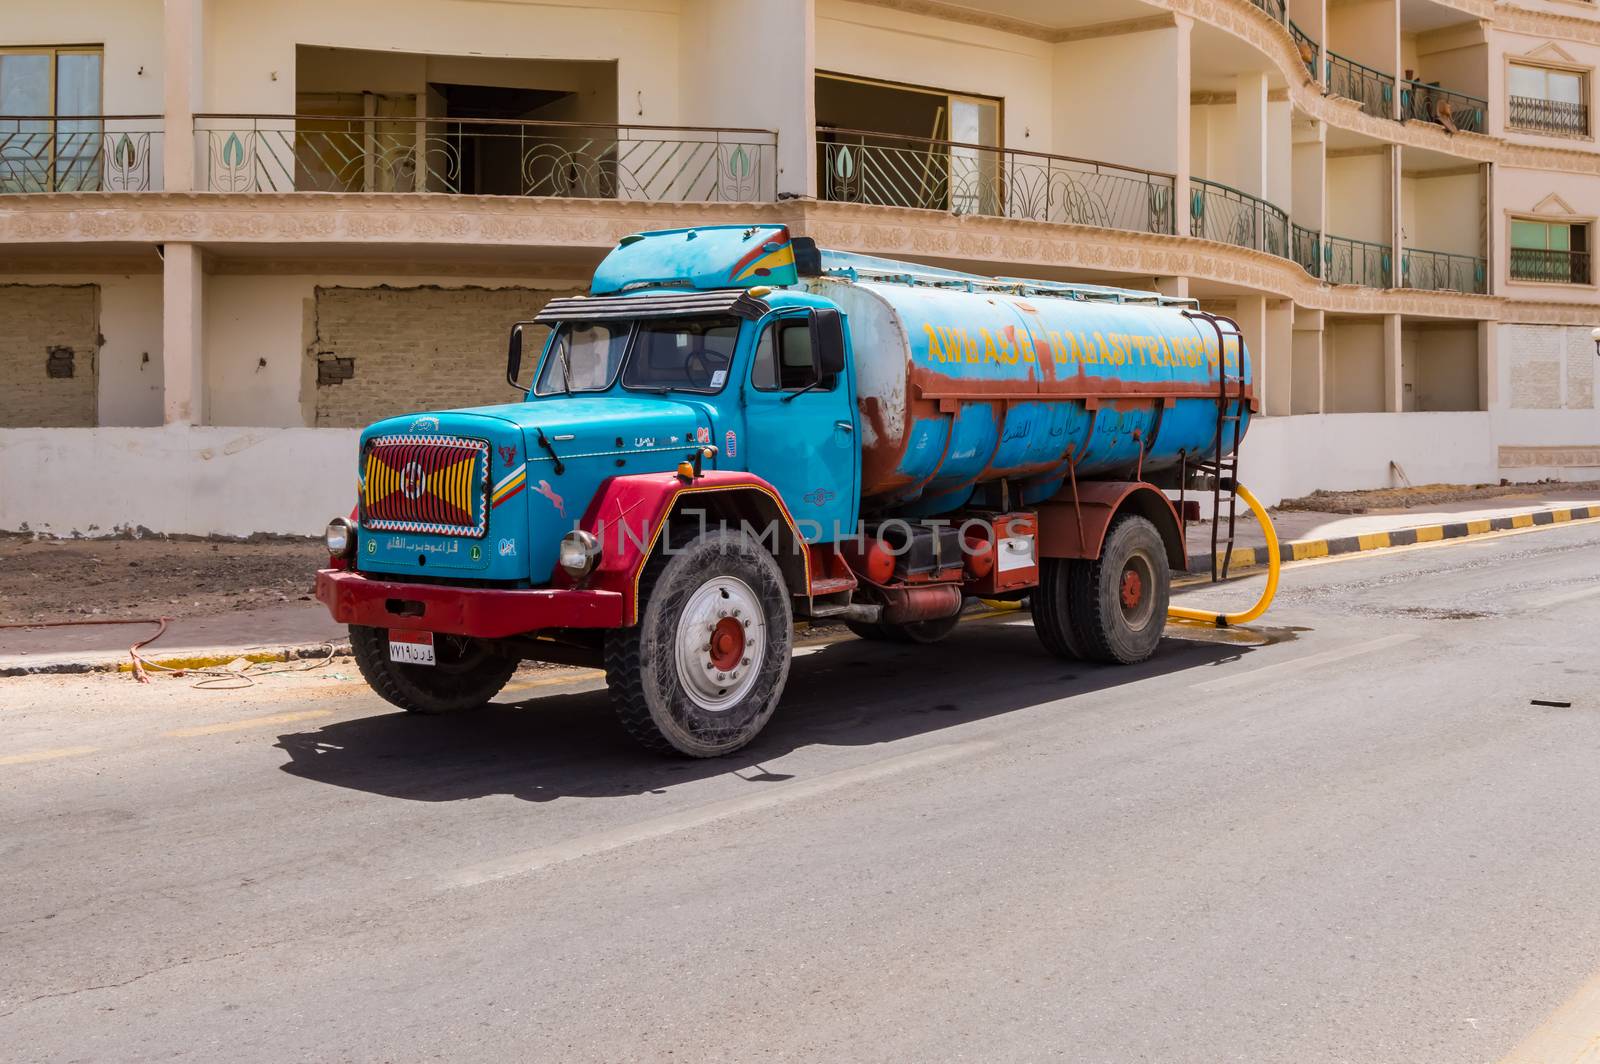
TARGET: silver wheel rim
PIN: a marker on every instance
(717, 671)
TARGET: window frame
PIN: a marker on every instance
(1571, 223)
(780, 321)
(550, 350)
(636, 331)
(1586, 83)
(54, 115)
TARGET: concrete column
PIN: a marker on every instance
(1396, 239)
(182, 367)
(1393, 365)
(1279, 332)
(1251, 314)
(1488, 364)
(1250, 105)
(1181, 104)
(1309, 390)
(182, 23)
(1177, 287)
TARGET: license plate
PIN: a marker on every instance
(411, 648)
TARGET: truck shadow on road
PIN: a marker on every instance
(850, 693)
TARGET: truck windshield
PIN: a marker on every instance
(686, 354)
(584, 357)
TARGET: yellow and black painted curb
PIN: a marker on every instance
(1243, 558)
(204, 659)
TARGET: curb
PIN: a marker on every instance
(1304, 549)
(208, 659)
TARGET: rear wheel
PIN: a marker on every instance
(703, 670)
(469, 672)
(1118, 601)
(1052, 608)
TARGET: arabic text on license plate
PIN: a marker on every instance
(411, 648)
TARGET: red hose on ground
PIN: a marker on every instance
(133, 651)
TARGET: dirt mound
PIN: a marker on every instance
(1360, 502)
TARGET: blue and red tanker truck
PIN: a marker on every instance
(736, 430)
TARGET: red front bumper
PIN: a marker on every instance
(489, 613)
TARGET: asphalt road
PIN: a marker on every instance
(1349, 836)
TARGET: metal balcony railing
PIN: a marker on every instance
(1441, 271)
(319, 153)
(1347, 261)
(1306, 47)
(1372, 89)
(1550, 267)
(858, 166)
(1308, 249)
(1278, 9)
(1549, 116)
(1218, 212)
(89, 153)
(1422, 102)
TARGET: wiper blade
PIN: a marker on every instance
(560, 466)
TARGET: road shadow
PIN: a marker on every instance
(849, 693)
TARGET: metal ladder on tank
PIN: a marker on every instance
(1233, 394)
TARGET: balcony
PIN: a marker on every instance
(1550, 267)
(100, 153)
(1456, 111)
(1348, 261)
(887, 170)
(1372, 89)
(1218, 212)
(1308, 249)
(1307, 49)
(1441, 271)
(311, 153)
(1548, 116)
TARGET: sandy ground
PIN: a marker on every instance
(1360, 502)
(55, 579)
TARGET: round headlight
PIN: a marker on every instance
(579, 551)
(340, 537)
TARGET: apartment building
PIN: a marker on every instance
(233, 232)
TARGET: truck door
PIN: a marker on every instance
(800, 422)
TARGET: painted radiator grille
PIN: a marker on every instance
(433, 484)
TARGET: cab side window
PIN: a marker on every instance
(784, 360)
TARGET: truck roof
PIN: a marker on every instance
(747, 256)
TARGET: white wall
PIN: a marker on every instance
(1286, 457)
(194, 481)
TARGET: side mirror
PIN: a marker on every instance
(827, 342)
(514, 356)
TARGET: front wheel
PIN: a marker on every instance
(469, 672)
(702, 671)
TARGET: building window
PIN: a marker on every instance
(50, 129)
(1550, 252)
(1548, 100)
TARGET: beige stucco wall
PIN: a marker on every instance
(1443, 213)
(1151, 101)
(1353, 360)
(128, 30)
(1358, 196)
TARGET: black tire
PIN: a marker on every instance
(1107, 623)
(1052, 608)
(469, 672)
(868, 630)
(661, 695)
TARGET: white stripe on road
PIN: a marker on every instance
(670, 823)
(1570, 1036)
(1310, 661)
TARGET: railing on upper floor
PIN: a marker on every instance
(1372, 89)
(1348, 261)
(1548, 116)
(1308, 249)
(887, 170)
(1219, 212)
(502, 157)
(87, 153)
(1551, 267)
(1278, 9)
(1306, 47)
(1424, 102)
(1442, 271)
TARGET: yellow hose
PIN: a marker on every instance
(1223, 620)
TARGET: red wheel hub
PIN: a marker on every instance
(1132, 588)
(727, 644)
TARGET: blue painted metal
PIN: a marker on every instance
(960, 390)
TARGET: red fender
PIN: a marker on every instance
(1078, 531)
(628, 514)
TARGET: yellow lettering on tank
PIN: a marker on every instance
(1085, 348)
(1062, 348)
(971, 345)
(935, 346)
(1023, 342)
(988, 345)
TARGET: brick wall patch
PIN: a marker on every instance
(49, 355)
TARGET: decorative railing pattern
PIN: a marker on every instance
(1306, 47)
(1218, 212)
(310, 153)
(59, 153)
(1548, 116)
(1372, 89)
(1422, 102)
(1442, 271)
(1550, 267)
(1308, 249)
(1278, 9)
(857, 166)
(1347, 261)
